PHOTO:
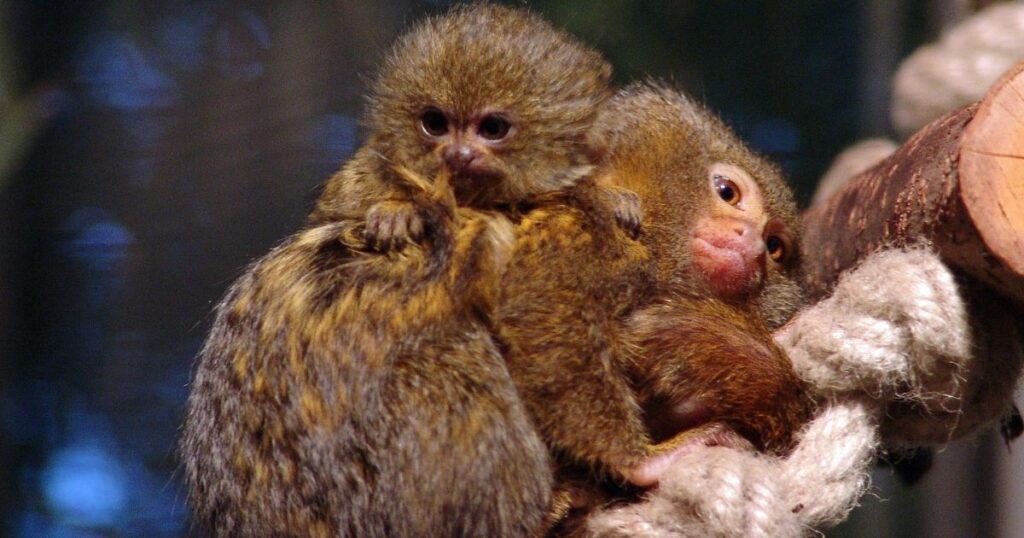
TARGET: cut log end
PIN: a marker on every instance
(992, 170)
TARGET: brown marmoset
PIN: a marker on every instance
(641, 340)
(345, 391)
(494, 94)
(723, 231)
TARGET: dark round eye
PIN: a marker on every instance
(776, 247)
(727, 190)
(493, 127)
(434, 122)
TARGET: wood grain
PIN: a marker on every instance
(958, 183)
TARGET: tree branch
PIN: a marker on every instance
(958, 183)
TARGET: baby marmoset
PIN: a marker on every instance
(723, 231)
(345, 391)
(497, 96)
(639, 340)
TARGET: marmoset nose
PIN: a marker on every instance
(458, 156)
(743, 229)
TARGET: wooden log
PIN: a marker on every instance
(958, 183)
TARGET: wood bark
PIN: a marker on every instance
(958, 184)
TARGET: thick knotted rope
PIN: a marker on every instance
(959, 68)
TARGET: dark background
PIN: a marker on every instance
(150, 150)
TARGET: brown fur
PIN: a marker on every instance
(706, 350)
(573, 276)
(337, 384)
(347, 391)
(603, 334)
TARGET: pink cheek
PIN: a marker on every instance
(729, 266)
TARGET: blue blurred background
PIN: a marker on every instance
(150, 150)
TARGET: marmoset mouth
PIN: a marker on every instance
(729, 266)
(478, 188)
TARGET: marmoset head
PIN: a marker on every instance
(495, 94)
(723, 218)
